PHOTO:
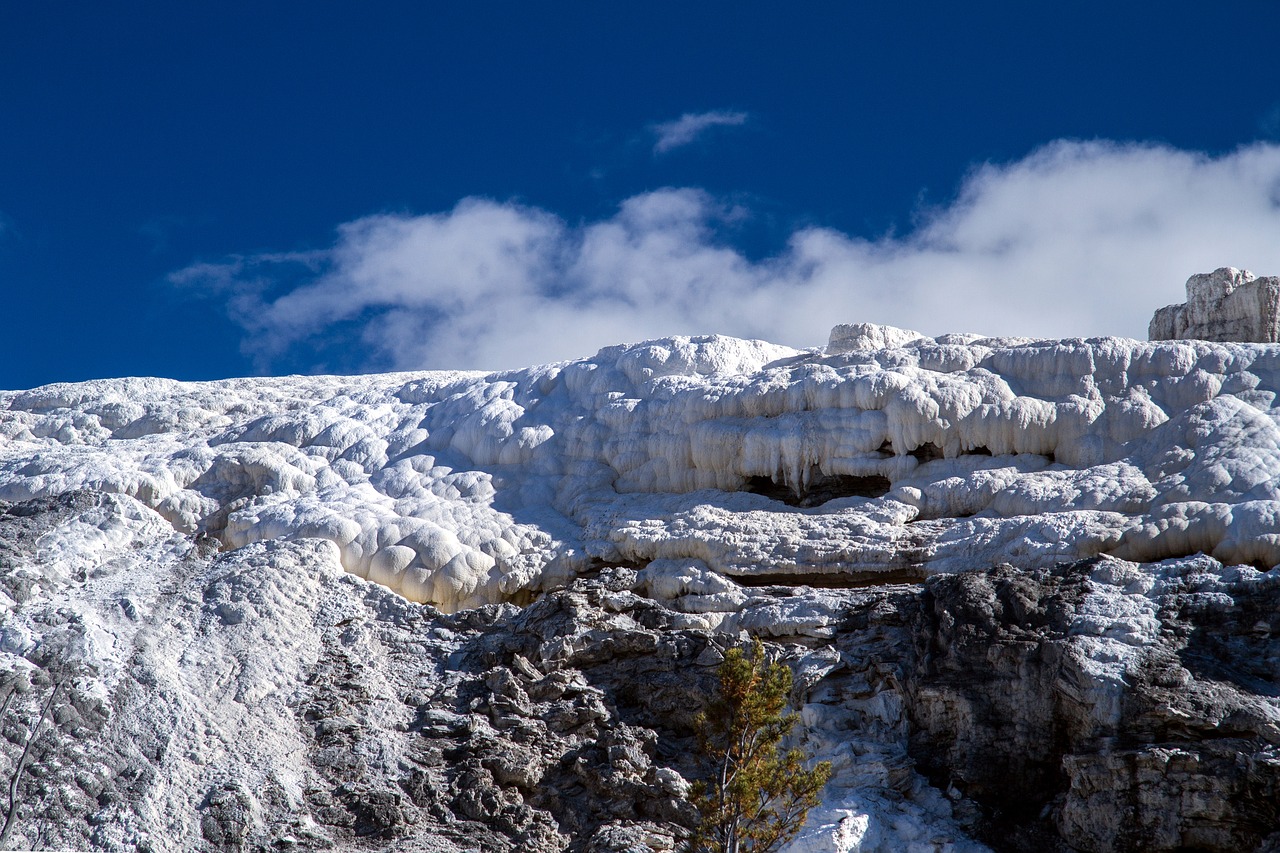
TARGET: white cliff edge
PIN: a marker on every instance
(922, 457)
(186, 527)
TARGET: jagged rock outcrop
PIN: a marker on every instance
(264, 699)
(1225, 305)
(1101, 706)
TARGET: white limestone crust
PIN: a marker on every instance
(1225, 305)
(462, 488)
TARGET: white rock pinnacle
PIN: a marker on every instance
(1225, 305)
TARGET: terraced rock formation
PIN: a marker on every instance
(1028, 590)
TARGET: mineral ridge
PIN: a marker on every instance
(985, 558)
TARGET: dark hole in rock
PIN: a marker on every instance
(978, 451)
(927, 452)
(833, 580)
(821, 489)
(885, 449)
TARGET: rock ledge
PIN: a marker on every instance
(1225, 305)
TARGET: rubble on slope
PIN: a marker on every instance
(263, 699)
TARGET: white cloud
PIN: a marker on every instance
(1077, 239)
(687, 128)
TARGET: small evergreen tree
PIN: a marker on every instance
(754, 800)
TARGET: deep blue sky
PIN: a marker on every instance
(136, 139)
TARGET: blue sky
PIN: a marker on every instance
(201, 191)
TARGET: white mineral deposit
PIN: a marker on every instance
(194, 573)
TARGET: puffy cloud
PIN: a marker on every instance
(687, 128)
(1077, 239)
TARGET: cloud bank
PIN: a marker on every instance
(1075, 240)
(687, 128)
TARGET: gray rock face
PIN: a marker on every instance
(270, 701)
(1225, 305)
(1013, 704)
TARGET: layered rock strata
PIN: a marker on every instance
(1225, 305)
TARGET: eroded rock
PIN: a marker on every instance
(1225, 305)
(1027, 590)
(1102, 705)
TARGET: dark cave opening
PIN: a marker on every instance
(824, 488)
(821, 489)
(929, 451)
(911, 575)
(926, 452)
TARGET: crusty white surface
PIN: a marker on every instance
(462, 488)
(1225, 305)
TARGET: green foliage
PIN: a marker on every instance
(755, 799)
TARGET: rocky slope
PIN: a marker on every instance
(1026, 588)
(263, 699)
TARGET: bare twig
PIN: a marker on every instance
(22, 765)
